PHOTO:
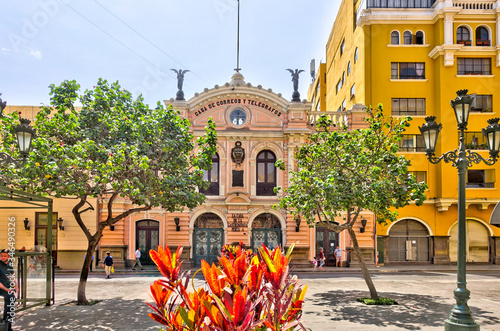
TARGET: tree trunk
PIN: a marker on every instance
(364, 269)
(81, 296)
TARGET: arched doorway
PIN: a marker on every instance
(409, 242)
(476, 242)
(328, 240)
(147, 234)
(208, 238)
(266, 229)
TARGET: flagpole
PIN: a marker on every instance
(238, 42)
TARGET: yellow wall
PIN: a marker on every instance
(372, 76)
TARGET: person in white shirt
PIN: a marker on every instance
(338, 256)
(137, 259)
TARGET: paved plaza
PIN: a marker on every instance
(425, 300)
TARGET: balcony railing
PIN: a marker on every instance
(400, 3)
(337, 117)
(481, 185)
(266, 189)
(474, 5)
(482, 42)
(213, 189)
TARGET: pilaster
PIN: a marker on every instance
(441, 251)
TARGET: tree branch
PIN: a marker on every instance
(78, 218)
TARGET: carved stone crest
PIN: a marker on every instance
(237, 153)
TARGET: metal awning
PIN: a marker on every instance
(495, 216)
(32, 201)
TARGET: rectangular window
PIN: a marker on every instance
(481, 178)
(407, 70)
(353, 90)
(475, 140)
(468, 66)
(343, 105)
(41, 229)
(412, 143)
(420, 176)
(339, 86)
(483, 103)
(408, 106)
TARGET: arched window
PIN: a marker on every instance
(482, 38)
(349, 68)
(419, 38)
(409, 242)
(212, 176)
(463, 35)
(266, 229)
(356, 55)
(477, 244)
(407, 38)
(395, 38)
(208, 238)
(266, 173)
(147, 234)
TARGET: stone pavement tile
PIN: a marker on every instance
(339, 310)
(112, 314)
(425, 301)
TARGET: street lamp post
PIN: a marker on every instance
(461, 315)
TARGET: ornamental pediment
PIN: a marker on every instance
(238, 113)
(237, 199)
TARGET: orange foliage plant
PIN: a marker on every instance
(245, 291)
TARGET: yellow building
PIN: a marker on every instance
(412, 56)
(69, 241)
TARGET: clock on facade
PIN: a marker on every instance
(238, 117)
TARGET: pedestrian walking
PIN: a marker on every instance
(315, 262)
(137, 259)
(321, 257)
(108, 264)
(6, 289)
(91, 263)
(338, 256)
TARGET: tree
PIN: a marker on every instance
(113, 147)
(341, 172)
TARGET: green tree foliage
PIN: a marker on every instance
(341, 172)
(115, 146)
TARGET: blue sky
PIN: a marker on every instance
(138, 42)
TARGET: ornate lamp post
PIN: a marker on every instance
(25, 135)
(461, 315)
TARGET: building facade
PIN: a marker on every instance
(412, 56)
(255, 127)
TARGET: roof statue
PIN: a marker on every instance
(180, 80)
(3, 104)
(295, 80)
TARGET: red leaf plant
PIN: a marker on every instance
(245, 291)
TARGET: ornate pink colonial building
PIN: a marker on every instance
(255, 127)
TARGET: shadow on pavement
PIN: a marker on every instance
(414, 312)
(115, 314)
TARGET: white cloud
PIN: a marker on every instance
(36, 54)
(6, 49)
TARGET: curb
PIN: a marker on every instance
(302, 270)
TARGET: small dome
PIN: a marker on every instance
(237, 79)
